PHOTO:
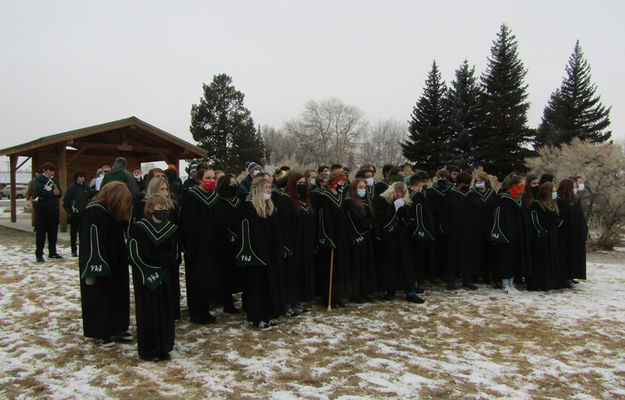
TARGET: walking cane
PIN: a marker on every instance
(331, 268)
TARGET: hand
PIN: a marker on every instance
(56, 191)
(399, 203)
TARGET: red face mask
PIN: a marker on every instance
(208, 185)
(516, 191)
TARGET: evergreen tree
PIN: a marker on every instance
(463, 103)
(574, 110)
(222, 125)
(502, 142)
(428, 136)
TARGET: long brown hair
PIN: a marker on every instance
(565, 190)
(291, 190)
(528, 195)
(116, 198)
(544, 197)
(357, 200)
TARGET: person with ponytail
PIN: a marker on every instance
(510, 236)
(545, 226)
(361, 217)
(199, 229)
(103, 263)
(574, 230)
(153, 247)
(229, 211)
(260, 253)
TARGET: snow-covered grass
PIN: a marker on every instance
(482, 344)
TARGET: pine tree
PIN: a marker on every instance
(502, 142)
(222, 126)
(427, 142)
(574, 110)
(463, 99)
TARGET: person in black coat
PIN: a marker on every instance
(382, 185)
(436, 200)
(229, 211)
(510, 235)
(395, 266)
(153, 248)
(261, 250)
(547, 266)
(103, 262)
(199, 231)
(422, 230)
(486, 206)
(72, 196)
(46, 194)
(574, 230)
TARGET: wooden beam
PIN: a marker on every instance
(127, 148)
(77, 154)
(62, 178)
(13, 163)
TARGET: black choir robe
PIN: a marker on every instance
(485, 209)
(423, 236)
(510, 236)
(229, 212)
(103, 262)
(261, 254)
(153, 252)
(395, 266)
(574, 236)
(199, 229)
(284, 211)
(300, 266)
(547, 266)
(436, 198)
(333, 234)
(362, 244)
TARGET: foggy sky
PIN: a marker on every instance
(71, 64)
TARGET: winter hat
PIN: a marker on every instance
(280, 177)
(193, 166)
(252, 166)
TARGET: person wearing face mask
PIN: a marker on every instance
(381, 186)
(547, 266)
(436, 197)
(531, 186)
(483, 191)
(229, 212)
(361, 217)
(199, 229)
(253, 169)
(366, 173)
(71, 203)
(333, 234)
(395, 266)
(422, 230)
(311, 178)
(141, 184)
(574, 230)
(153, 247)
(510, 235)
(297, 217)
(261, 253)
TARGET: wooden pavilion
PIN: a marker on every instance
(87, 149)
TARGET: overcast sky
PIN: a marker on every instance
(70, 64)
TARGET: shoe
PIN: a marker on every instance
(230, 309)
(272, 323)
(104, 343)
(470, 286)
(290, 312)
(369, 299)
(451, 286)
(299, 308)
(209, 319)
(419, 291)
(359, 300)
(74, 254)
(505, 290)
(264, 326)
(55, 255)
(124, 337)
(389, 296)
(414, 299)
(574, 281)
(40, 259)
(163, 357)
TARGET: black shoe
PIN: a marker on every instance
(389, 296)
(230, 309)
(419, 291)
(574, 281)
(124, 337)
(414, 299)
(209, 319)
(105, 343)
(163, 357)
(40, 259)
(55, 255)
(470, 286)
(74, 254)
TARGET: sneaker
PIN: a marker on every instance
(414, 299)
(163, 356)
(272, 323)
(575, 281)
(104, 343)
(505, 290)
(209, 319)
(470, 286)
(40, 259)
(55, 255)
(419, 291)
(124, 337)
(264, 326)
(290, 312)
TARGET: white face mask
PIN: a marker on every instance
(266, 196)
(581, 186)
(255, 172)
(370, 181)
(480, 185)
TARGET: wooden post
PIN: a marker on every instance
(34, 166)
(61, 176)
(13, 168)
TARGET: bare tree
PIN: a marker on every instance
(326, 132)
(381, 143)
(277, 146)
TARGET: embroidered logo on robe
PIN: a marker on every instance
(152, 276)
(496, 236)
(96, 265)
(246, 256)
(421, 233)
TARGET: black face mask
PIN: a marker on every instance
(302, 190)
(535, 191)
(339, 188)
(161, 215)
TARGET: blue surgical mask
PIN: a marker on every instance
(554, 195)
(313, 182)
(362, 192)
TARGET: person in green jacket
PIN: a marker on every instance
(46, 195)
(70, 204)
(119, 173)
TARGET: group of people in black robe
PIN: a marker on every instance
(287, 239)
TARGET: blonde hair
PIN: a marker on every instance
(154, 189)
(264, 208)
(156, 199)
(116, 198)
(392, 191)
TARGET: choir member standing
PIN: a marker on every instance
(71, 206)
(436, 197)
(422, 230)
(486, 206)
(574, 230)
(103, 261)
(153, 248)
(200, 244)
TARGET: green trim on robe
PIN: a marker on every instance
(152, 276)
(496, 236)
(421, 233)
(246, 256)
(96, 266)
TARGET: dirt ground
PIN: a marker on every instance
(481, 344)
